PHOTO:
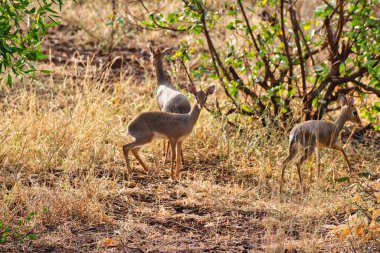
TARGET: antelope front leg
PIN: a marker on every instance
(345, 156)
(125, 152)
(135, 152)
(292, 153)
(172, 173)
(282, 176)
(317, 158)
(308, 151)
(183, 160)
(179, 155)
(167, 152)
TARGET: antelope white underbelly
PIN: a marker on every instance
(159, 136)
(182, 138)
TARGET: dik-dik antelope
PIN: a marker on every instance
(169, 99)
(312, 135)
(173, 127)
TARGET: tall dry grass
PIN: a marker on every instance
(60, 151)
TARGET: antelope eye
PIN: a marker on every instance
(355, 113)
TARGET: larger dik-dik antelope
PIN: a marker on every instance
(169, 99)
(173, 127)
(312, 135)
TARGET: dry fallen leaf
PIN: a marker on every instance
(108, 242)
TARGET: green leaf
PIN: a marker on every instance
(50, 10)
(7, 48)
(32, 237)
(365, 174)
(31, 11)
(120, 20)
(40, 56)
(376, 106)
(30, 215)
(246, 108)
(9, 81)
(370, 63)
(315, 102)
(3, 238)
(182, 28)
(342, 179)
(230, 26)
(342, 69)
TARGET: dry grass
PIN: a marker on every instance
(60, 151)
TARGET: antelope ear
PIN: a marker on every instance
(350, 101)
(342, 100)
(167, 51)
(192, 88)
(210, 90)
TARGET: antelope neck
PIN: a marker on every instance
(194, 113)
(159, 70)
(338, 124)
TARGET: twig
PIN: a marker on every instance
(155, 21)
(295, 25)
(187, 72)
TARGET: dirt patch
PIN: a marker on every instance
(63, 50)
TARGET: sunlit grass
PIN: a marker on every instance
(60, 150)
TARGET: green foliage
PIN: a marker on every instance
(23, 24)
(19, 232)
(263, 66)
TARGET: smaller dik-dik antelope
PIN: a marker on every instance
(309, 136)
(173, 127)
(169, 99)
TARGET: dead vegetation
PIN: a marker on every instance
(61, 157)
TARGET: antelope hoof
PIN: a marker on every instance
(166, 160)
(127, 176)
(304, 189)
(174, 177)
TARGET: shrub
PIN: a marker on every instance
(265, 64)
(23, 25)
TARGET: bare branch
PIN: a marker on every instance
(268, 72)
(286, 46)
(295, 25)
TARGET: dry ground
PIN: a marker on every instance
(60, 156)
